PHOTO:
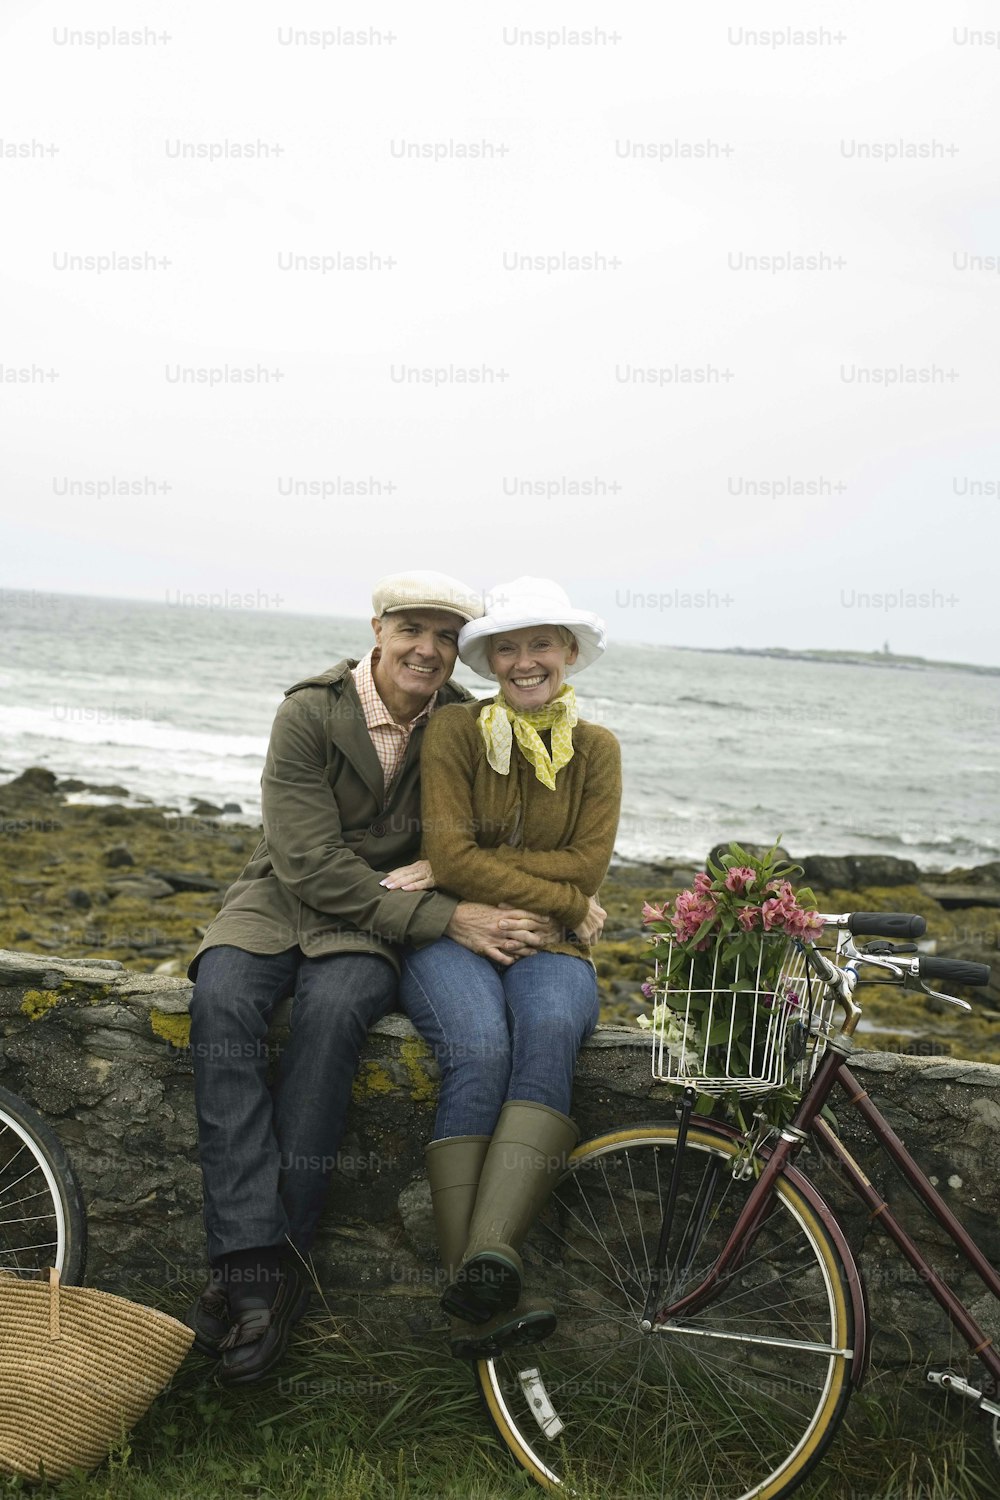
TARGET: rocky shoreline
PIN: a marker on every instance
(102, 881)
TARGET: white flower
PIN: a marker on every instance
(680, 1038)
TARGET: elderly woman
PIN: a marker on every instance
(520, 801)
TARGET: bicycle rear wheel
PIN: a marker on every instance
(739, 1400)
(42, 1219)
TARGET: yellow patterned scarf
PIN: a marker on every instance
(499, 724)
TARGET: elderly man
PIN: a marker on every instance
(312, 917)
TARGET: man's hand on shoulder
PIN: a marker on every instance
(500, 933)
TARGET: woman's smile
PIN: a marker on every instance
(530, 665)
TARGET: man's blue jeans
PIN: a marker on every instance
(266, 1160)
(498, 1033)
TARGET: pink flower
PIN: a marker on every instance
(702, 883)
(810, 925)
(690, 910)
(694, 901)
(784, 914)
(747, 917)
(685, 926)
(739, 879)
(772, 914)
(651, 913)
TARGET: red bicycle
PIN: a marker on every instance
(712, 1317)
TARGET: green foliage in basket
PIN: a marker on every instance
(729, 932)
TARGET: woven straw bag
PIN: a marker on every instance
(78, 1368)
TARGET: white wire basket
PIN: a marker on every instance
(757, 1028)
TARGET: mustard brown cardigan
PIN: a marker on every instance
(562, 839)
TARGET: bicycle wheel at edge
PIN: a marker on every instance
(738, 1401)
(42, 1218)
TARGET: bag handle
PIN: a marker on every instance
(54, 1330)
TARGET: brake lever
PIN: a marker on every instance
(951, 999)
(885, 949)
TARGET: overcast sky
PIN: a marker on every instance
(457, 149)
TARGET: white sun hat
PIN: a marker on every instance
(530, 601)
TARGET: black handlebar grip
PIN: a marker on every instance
(890, 924)
(953, 970)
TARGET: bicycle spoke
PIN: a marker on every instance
(711, 1397)
(41, 1215)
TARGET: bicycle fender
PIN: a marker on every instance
(856, 1287)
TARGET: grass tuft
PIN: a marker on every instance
(344, 1420)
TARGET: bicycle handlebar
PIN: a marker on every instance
(952, 970)
(908, 972)
(889, 924)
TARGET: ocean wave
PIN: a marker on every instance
(147, 696)
(956, 844)
(107, 727)
(905, 842)
(689, 844)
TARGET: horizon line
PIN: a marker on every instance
(770, 650)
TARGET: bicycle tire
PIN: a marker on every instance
(42, 1218)
(718, 1402)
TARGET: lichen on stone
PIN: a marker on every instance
(414, 1054)
(38, 1003)
(173, 1028)
(372, 1078)
(87, 995)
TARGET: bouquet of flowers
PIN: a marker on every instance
(732, 1003)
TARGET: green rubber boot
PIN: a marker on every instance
(526, 1157)
(453, 1170)
(454, 1166)
(530, 1321)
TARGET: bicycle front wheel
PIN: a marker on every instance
(738, 1400)
(42, 1219)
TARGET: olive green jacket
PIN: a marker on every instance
(330, 836)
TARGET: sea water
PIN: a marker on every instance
(174, 701)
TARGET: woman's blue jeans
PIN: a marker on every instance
(498, 1032)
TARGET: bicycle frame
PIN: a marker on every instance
(805, 1123)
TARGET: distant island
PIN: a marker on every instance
(848, 658)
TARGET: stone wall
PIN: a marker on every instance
(102, 1053)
